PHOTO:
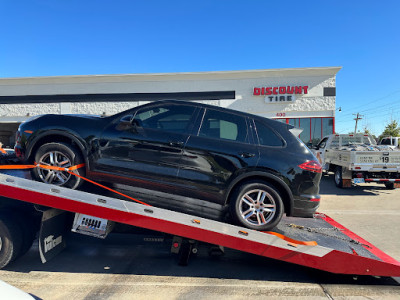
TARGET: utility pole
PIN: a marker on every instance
(356, 119)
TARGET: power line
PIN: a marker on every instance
(374, 101)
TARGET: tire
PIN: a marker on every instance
(247, 210)
(60, 155)
(390, 185)
(28, 230)
(337, 178)
(11, 239)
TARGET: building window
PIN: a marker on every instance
(327, 126)
(314, 129)
(305, 135)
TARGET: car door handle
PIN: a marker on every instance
(175, 143)
(246, 154)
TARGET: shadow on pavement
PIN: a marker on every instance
(328, 187)
(138, 254)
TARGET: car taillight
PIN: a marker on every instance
(18, 137)
(312, 166)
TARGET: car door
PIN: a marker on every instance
(221, 149)
(145, 149)
(320, 151)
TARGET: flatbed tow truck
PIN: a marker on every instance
(319, 242)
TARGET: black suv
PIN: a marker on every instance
(184, 156)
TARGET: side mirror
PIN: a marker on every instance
(137, 126)
(136, 123)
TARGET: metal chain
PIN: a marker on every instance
(316, 230)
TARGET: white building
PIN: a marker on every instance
(304, 97)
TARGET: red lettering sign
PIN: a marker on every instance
(280, 90)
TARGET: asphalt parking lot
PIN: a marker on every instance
(141, 266)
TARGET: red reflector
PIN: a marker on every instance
(175, 245)
(357, 168)
(312, 166)
(315, 199)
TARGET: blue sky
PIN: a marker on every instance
(44, 38)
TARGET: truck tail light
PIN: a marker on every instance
(312, 166)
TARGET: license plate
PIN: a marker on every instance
(358, 180)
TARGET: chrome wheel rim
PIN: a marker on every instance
(56, 159)
(257, 207)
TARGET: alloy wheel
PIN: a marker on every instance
(57, 159)
(257, 207)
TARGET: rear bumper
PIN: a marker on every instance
(381, 180)
(306, 205)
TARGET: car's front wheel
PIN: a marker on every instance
(256, 205)
(59, 155)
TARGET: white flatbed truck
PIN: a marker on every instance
(28, 206)
(355, 158)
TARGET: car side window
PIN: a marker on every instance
(173, 118)
(385, 142)
(266, 136)
(225, 126)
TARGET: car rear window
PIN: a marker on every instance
(266, 136)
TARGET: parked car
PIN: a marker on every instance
(183, 156)
(390, 141)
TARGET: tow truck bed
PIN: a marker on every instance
(337, 249)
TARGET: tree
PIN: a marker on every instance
(391, 129)
(368, 131)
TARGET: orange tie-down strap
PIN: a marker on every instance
(3, 151)
(69, 170)
(292, 241)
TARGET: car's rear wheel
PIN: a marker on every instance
(256, 205)
(389, 185)
(338, 177)
(59, 155)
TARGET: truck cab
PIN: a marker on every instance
(390, 141)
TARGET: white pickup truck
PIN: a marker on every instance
(355, 158)
(390, 141)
